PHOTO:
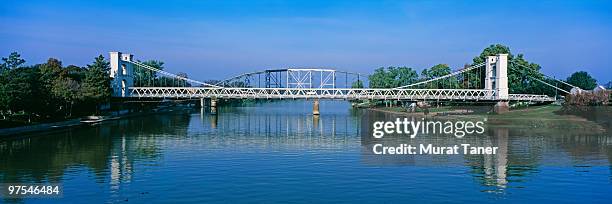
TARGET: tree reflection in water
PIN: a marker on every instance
(107, 151)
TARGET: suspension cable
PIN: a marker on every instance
(445, 76)
(543, 82)
(563, 82)
(172, 75)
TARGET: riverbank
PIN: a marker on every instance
(536, 117)
(39, 127)
(545, 112)
(84, 121)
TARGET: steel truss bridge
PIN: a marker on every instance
(485, 81)
(334, 93)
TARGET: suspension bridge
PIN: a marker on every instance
(487, 81)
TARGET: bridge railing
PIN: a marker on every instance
(302, 93)
(337, 93)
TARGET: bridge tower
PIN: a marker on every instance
(496, 78)
(121, 73)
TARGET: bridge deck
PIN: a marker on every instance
(327, 93)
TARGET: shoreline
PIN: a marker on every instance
(535, 112)
(75, 122)
(536, 117)
(445, 113)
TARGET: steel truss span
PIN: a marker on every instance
(294, 78)
(332, 93)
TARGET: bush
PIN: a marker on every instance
(581, 102)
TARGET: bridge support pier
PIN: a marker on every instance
(501, 107)
(213, 106)
(315, 107)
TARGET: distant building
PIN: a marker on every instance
(599, 88)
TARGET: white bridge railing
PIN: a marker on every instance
(331, 93)
(530, 97)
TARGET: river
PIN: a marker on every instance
(278, 152)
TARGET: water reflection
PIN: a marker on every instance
(201, 147)
(238, 126)
(494, 167)
(523, 147)
(108, 151)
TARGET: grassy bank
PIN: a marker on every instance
(535, 118)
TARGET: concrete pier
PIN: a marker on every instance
(315, 107)
(213, 106)
(501, 107)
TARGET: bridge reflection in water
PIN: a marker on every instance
(291, 149)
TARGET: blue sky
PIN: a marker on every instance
(217, 39)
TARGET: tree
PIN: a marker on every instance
(68, 91)
(521, 73)
(357, 84)
(583, 80)
(96, 86)
(13, 61)
(145, 77)
(379, 78)
(405, 76)
(4, 97)
(438, 71)
(493, 50)
(75, 72)
(48, 73)
(21, 90)
(392, 77)
(183, 82)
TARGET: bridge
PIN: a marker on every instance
(487, 81)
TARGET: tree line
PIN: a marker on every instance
(522, 75)
(49, 91)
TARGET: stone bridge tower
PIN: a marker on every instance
(121, 73)
(496, 78)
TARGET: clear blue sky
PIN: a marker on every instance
(216, 39)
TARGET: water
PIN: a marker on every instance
(279, 152)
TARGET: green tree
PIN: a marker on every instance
(438, 71)
(145, 77)
(13, 61)
(75, 72)
(96, 86)
(405, 76)
(68, 91)
(49, 72)
(493, 50)
(4, 97)
(379, 78)
(521, 73)
(21, 90)
(392, 77)
(182, 82)
(357, 84)
(583, 80)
